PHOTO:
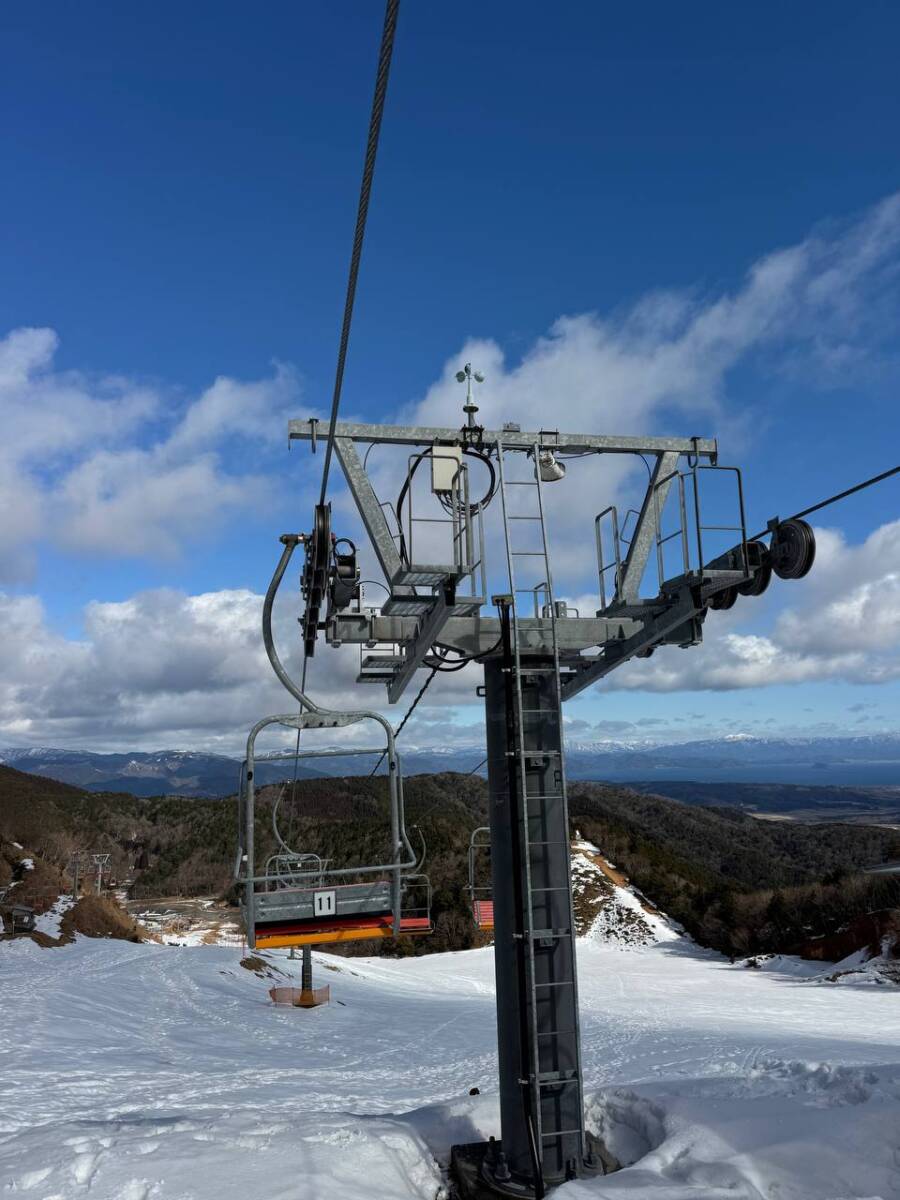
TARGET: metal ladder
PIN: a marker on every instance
(533, 487)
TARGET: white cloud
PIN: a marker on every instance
(673, 350)
(167, 669)
(842, 623)
(111, 465)
(662, 365)
(108, 465)
(164, 669)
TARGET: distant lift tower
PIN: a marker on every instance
(536, 652)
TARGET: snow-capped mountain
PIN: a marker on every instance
(866, 760)
(156, 773)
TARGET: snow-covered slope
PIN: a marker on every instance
(607, 908)
(146, 1072)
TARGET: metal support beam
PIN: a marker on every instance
(415, 651)
(477, 635)
(647, 526)
(367, 502)
(685, 613)
(419, 435)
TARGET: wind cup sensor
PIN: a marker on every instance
(466, 375)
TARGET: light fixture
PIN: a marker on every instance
(550, 468)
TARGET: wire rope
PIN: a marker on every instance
(409, 712)
(381, 82)
(834, 499)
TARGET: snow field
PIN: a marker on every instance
(150, 1072)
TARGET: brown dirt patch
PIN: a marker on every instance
(617, 878)
(100, 916)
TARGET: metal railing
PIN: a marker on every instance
(693, 558)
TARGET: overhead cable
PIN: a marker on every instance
(409, 712)
(833, 499)
(381, 82)
(849, 492)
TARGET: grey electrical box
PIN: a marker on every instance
(445, 464)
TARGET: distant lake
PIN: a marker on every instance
(862, 774)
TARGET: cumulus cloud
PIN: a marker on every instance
(113, 465)
(672, 351)
(824, 306)
(168, 669)
(109, 465)
(842, 623)
(165, 669)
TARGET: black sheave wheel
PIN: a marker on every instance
(315, 576)
(793, 549)
(724, 599)
(761, 577)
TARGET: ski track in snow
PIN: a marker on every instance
(147, 1072)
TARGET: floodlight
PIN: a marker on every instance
(460, 377)
(551, 470)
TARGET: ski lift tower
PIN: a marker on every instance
(536, 653)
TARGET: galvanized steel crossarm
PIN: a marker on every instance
(424, 435)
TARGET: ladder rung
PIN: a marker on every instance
(527, 554)
(533, 670)
(536, 934)
(570, 1076)
(550, 889)
(521, 483)
(560, 983)
(549, 1137)
(523, 517)
(533, 753)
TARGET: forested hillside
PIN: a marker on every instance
(739, 884)
(736, 883)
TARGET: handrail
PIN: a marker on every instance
(475, 845)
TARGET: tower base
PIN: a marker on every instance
(300, 997)
(474, 1170)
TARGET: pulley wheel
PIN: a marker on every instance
(761, 577)
(793, 549)
(315, 575)
(724, 599)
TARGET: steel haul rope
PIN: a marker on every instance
(833, 499)
(381, 82)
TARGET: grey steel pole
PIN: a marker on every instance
(553, 996)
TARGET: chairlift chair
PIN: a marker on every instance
(480, 895)
(299, 899)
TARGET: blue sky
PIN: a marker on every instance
(704, 194)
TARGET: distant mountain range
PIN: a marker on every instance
(157, 773)
(870, 761)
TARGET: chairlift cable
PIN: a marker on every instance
(833, 499)
(296, 759)
(849, 492)
(422, 690)
(381, 82)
